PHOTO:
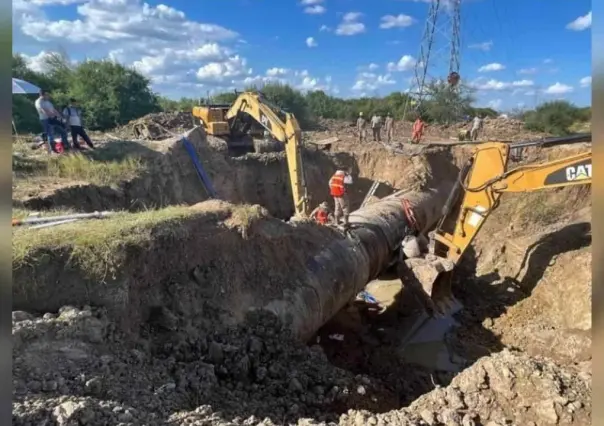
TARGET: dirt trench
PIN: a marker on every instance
(163, 337)
(169, 177)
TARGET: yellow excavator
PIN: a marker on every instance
(480, 184)
(247, 117)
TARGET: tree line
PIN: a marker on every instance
(112, 94)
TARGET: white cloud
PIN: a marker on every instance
(350, 25)
(398, 21)
(406, 63)
(168, 60)
(558, 89)
(495, 66)
(275, 72)
(585, 81)
(581, 23)
(373, 66)
(368, 82)
(310, 42)
(219, 72)
(122, 21)
(324, 28)
(497, 85)
(548, 61)
(315, 10)
(310, 2)
(528, 71)
(484, 46)
(37, 62)
(495, 104)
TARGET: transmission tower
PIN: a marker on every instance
(438, 58)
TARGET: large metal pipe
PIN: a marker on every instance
(343, 268)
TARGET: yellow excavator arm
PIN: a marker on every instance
(486, 178)
(286, 130)
(480, 185)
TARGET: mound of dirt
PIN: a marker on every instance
(156, 126)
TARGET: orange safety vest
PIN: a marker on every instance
(322, 216)
(418, 126)
(336, 186)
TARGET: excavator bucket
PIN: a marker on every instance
(430, 278)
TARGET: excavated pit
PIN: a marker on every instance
(167, 340)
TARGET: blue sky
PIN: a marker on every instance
(514, 53)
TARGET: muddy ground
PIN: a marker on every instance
(142, 319)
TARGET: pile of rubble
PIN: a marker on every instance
(76, 367)
(156, 126)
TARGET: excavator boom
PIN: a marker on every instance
(239, 118)
(286, 131)
(481, 183)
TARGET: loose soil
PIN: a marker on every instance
(144, 318)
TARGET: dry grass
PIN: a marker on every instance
(97, 246)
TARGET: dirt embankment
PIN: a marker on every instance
(169, 177)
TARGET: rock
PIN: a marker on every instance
(255, 345)
(19, 316)
(428, 416)
(64, 413)
(468, 420)
(295, 385)
(546, 411)
(215, 353)
(68, 313)
(49, 316)
(94, 386)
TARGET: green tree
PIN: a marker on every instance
(446, 104)
(288, 99)
(111, 94)
(554, 117)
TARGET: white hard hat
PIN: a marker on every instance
(340, 172)
(361, 113)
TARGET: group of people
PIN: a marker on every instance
(376, 128)
(53, 121)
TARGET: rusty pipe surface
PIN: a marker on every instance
(344, 267)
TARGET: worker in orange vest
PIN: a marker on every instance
(418, 130)
(337, 189)
(321, 214)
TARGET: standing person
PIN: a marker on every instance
(361, 125)
(418, 130)
(337, 189)
(376, 126)
(476, 126)
(73, 114)
(49, 118)
(389, 127)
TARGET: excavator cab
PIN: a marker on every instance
(480, 184)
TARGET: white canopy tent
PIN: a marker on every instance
(22, 87)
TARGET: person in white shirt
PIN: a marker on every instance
(476, 127)
(50, 121)
(376, 127)
(73, 114)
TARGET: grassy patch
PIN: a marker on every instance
(97, 246)
(80, 167)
